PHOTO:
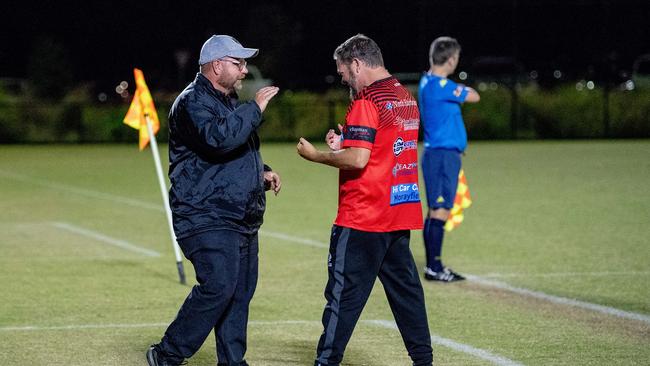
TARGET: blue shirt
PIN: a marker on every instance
(439, 100)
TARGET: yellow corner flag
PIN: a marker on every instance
(141, 108)
(461, 202)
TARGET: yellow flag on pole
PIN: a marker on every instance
(461, 202)
(142, 107)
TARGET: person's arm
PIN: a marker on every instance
(350, 158)
(358, 139)
(472, 95)
(333, 140)
(272, 181)
(458, 93)
(222, 134)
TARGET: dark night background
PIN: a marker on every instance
(101, 41)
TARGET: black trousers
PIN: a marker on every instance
(356, 259)
(226, 266)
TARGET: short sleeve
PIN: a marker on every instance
(361, 125)
(450, 91)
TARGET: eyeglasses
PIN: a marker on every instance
(241, 63)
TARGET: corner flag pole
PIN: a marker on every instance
(163, 190)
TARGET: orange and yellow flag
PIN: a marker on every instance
(461, 202)
(141, 107)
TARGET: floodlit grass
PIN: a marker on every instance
(569, 219)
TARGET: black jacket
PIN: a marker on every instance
(215, 167)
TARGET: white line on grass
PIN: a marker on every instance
(561, 300)
(105, 239)
(82, 191)
(142, 204)
(435, 339)
(138, 203)
(81, 326)
(136, 325)
(461, 347)
(536, 294)
(566, 274)
(309, 242)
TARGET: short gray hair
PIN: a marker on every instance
(362, 48)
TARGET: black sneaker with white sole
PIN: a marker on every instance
(446, 275)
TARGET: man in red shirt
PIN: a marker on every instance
(379, 202)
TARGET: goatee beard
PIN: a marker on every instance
(352, 93)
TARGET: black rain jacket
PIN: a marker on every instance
(215, 167)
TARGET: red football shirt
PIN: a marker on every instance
(383, 196)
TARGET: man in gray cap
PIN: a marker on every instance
(217, 197)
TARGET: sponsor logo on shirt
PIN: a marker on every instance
(360, 133)
(405, 103)
(407, 124)
(400, 145)
(405, 169)
(404, 193)
(400, 104)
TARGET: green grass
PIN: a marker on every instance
(569, 219)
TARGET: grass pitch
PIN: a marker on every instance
(567, 220)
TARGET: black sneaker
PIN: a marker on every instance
(155, 358)
(446, 275)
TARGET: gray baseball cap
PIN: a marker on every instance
(219, 46)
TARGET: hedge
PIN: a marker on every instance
(564, 112)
